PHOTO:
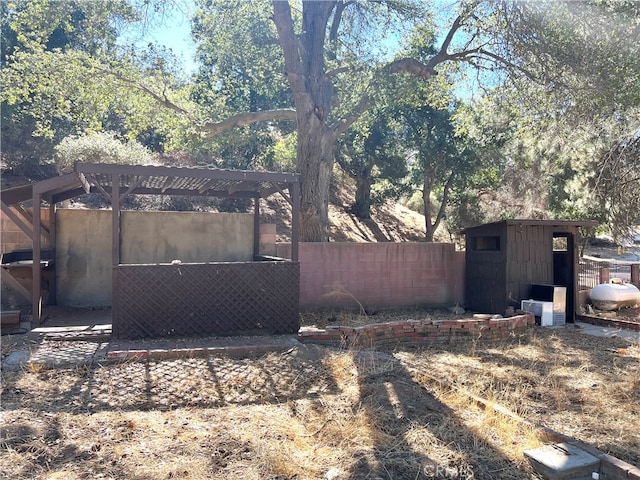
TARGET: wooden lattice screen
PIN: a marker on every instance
(206, 299)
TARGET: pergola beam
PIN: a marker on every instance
(184, 172)
(25, 224)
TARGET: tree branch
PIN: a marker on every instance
(161, 99)
(530, 75)
(337, 18)
(211, 129)
(412, 66)
(356, 113)
(338, 71)
(288, 40)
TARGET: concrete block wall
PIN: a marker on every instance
(351, 275)
(12, 237)
(418, 332)
(268, 237)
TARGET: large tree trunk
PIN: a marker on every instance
(312, 94)
(316, 155)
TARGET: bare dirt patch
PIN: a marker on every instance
(628, 314)
(314, 412)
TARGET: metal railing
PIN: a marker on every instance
(590, 270)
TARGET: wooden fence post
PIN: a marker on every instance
(604, 275)
(635, 274)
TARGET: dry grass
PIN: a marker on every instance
(578, 385)
(317, 413)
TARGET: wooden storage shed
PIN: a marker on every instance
(512, 260)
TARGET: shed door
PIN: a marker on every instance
(563, 268)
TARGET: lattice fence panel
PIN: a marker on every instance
(206, 299)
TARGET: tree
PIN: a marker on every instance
(314, 58)
(370, 153)
(441, 162)
(240, 70)
(63, 74)
(618, 183)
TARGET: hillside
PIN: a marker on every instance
(391, 222)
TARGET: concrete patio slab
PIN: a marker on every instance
(609, 332)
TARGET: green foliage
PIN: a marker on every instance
(99, 147)
(63, 75)
(241, 71)
(241, 59)
(587, 54)
(371, 154)
(281, 156)
(39, 25)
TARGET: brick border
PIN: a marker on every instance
(418, 332)
(609, 322)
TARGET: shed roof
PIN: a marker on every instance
(534, 222)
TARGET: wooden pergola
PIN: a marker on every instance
(115, 182)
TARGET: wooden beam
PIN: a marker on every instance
(12, 196)
(29, 217)
(294, 190)
(20, 222)
(207, 185)
(115, 221)
(115, 253)
(256, 226)
(52, 300)
(135, 184)
(100, 188)
(166, 184)
(186, 172)
(66, 195)
(15, 284)
(56, 185)
(284, 195)
(84, 182)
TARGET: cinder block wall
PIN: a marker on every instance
(350, 275)
(12, 238)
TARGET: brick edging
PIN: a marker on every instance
(609, 322)
(418, 332)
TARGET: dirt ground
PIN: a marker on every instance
(627, 314)
(320, 413)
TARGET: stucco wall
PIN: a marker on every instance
(83, 253)
(192, 237)
(347, 275)
(83, 257)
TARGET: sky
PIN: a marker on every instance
(173, 31)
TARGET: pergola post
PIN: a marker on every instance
(36, 298)
(115, 251)
(52, 300)
(256, 226)
(295, 219)
(115, 220)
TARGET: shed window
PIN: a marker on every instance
(491, 243)
(560, 244)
